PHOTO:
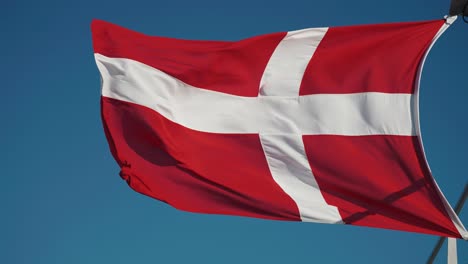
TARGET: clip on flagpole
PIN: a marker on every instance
(450, 19)
(452, 242)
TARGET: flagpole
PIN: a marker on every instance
(458, 207)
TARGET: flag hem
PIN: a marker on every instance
(453, 216)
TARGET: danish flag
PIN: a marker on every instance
(318, 125)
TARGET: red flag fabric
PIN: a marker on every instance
(315, 125)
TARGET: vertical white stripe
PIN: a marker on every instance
(290, 168)
(283, 73)
(285, 153)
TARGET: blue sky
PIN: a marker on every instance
(62, 200)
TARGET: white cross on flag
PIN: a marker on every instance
(315, 125)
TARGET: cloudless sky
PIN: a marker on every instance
(62, 200)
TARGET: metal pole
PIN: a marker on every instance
(441, 241)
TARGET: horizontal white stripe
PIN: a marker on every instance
(285, 69)
(209, 111)
(290, 168)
